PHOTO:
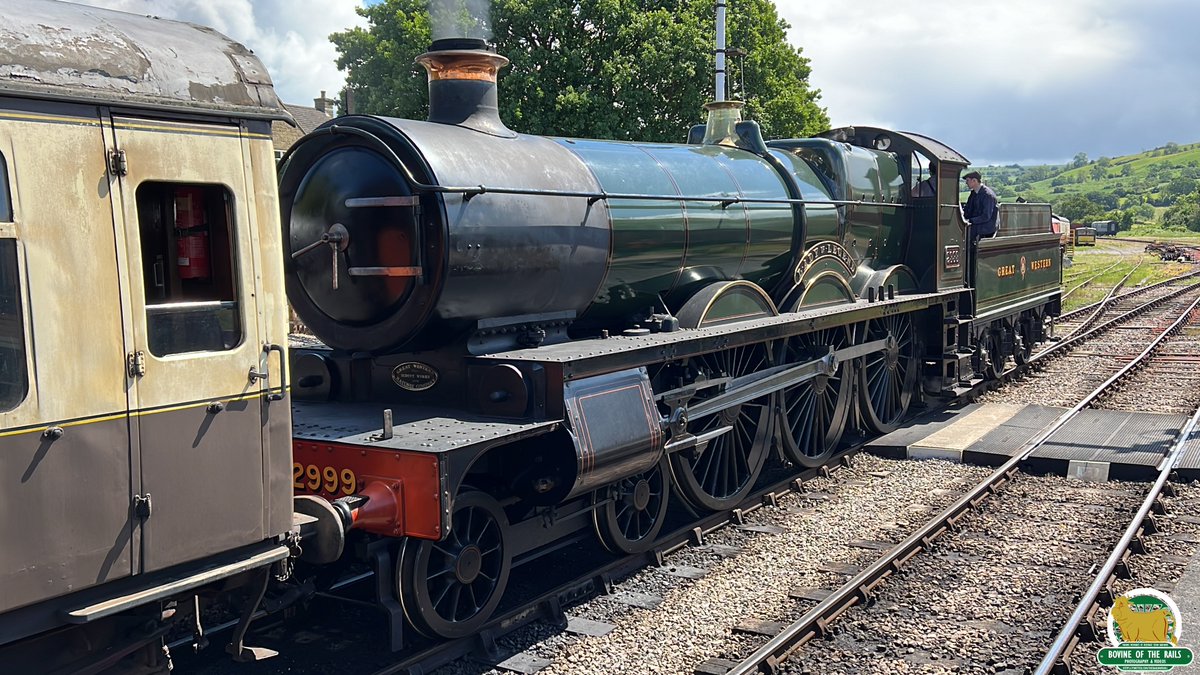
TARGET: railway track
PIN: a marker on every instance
(1070, 322)
(1090, 279)
(865, 587)
(1163, 544)
(1075, 365)
(536, 628)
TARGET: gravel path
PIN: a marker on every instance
(991, 597)
(1168, 553)
(876, 499)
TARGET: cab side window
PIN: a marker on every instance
(14, 377)
(188, 267)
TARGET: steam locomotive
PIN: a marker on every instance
(517, 340)
(526, 337)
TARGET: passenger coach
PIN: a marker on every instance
(145, 448)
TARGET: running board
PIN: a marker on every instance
(160, 591)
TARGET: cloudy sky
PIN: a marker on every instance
(1008, 81)
(1001, 81)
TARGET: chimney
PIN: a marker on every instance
(725, 125)
(462, 85)
(324, 104)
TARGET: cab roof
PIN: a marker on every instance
(896, 141)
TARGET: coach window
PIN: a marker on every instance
(188, 267)
(14, 378)
(5, 201)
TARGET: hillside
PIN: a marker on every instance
(1158, 188)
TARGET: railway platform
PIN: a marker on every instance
(1097, 445)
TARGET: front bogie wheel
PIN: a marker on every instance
(634, 509)
(450, 588)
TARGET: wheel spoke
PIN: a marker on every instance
(886, 389)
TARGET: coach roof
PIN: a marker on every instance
(58, 50)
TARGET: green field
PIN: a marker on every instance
(1159, 233)
(1111, 265)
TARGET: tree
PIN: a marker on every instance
(1102, 200)
(1036, 173)
(625, 69)
(1184, 214)
(1180, 186)
(1081, 159)
(1078, 208)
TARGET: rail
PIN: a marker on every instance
(861, 587)
(548, 606)
(1095, 276)
(1125, 296)
(1071, 633)
(1075, 339)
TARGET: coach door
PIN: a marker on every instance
(65, 484)
(197, 357)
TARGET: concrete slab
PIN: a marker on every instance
(969, 428)
(972, 433)
(895, 445)
(1003, 442)
(1188, 466)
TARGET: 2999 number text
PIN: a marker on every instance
(328, 479)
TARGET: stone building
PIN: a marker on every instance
(307, 119)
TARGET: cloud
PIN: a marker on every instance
(291, 37)
(1009, 80)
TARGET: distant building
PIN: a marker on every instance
(285, 135)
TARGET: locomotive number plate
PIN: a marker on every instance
(953, 257)
(324, 479)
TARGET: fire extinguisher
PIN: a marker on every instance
(191, 256)
(191, 245)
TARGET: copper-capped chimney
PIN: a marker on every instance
(462, 85)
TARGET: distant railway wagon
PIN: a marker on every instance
(519, 341)
(1085, 236)
(1105, 228)
(1066, 238)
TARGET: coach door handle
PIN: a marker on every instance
(283, 383)
(265, 374)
